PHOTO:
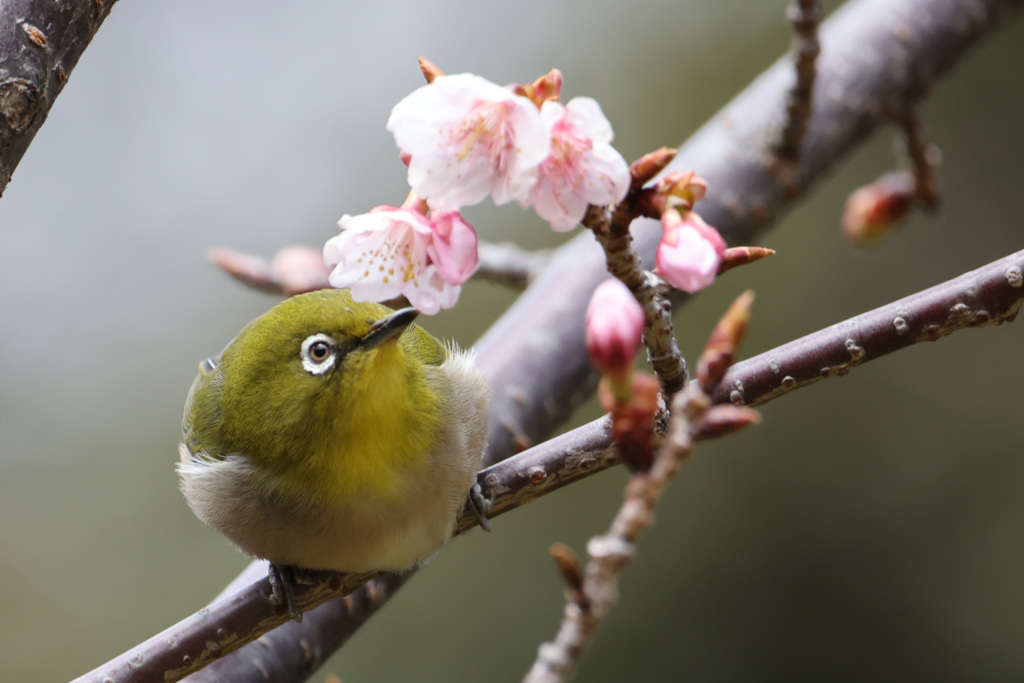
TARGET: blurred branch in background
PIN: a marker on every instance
(506, 264)
(804, 15)
(297, 269)
(40, 44)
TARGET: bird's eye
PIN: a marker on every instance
(318, 353)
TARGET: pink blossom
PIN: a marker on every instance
(689, 253)
(383, 254)
(582, 167)
(465, 137)
(615, 321)
(453, 247)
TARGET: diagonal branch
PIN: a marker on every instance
(989, 295)
(40, 43)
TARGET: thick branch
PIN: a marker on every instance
(40, 43)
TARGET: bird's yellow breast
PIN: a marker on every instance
(383, 434)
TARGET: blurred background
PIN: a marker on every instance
(872, 527)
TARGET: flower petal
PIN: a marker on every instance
(465, 137)
(453, 249)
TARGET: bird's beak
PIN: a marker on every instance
(388, 327)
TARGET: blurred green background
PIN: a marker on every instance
(871, 528)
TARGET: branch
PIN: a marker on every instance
(923, 156)
(987, 296)
(651, 291)
(40, 43)
(804, 15)
(593, 592)
(506, 264)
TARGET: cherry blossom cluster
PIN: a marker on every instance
(464, 138)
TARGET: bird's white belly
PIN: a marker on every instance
(358, 535)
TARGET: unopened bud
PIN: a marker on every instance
(689, 252)
(633, 418)
(252, 271)
(875, 210)
(299, 269)
(724, 342)
(614, 324)
(741, 256)
(568, 565)
(547, 87)
(651, 164)
(722, 420)
(429, 69)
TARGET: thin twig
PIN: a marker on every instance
(293, 270)
(650, 290)
(590, 600)
(923, 156)
(804, 15)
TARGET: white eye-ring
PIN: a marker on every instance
(318, 353)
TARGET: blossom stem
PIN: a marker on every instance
(650, 290)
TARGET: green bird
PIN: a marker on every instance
(333, 434)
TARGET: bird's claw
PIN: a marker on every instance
(478, 503)
(282, 585)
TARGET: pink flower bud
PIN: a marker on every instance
(689, 252)
(615, 321)
(453, 248)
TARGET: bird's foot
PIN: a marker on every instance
(478, 503)
(282, 585)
